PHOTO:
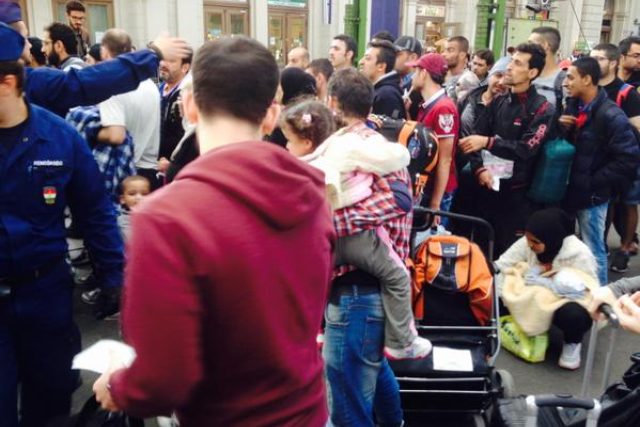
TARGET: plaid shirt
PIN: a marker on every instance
(114, 161)
(378, 210)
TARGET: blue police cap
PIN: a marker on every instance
(11, 43)
(9, 12)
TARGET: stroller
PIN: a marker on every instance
(433, 395)
(619, 406)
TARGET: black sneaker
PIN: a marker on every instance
(620, 262)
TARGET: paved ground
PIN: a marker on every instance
(529, 378)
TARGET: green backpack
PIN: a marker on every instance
(553, 168)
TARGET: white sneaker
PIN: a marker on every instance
(91, 297)
(570, 357)
(419, 348)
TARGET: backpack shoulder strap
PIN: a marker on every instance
(405, 132)
(623, 93)
(557, 88)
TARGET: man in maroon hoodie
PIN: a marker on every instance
(228, 267)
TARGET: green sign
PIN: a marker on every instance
(288, 3)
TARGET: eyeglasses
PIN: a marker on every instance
(633, 55)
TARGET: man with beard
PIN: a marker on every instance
(456, 53)
(172, 74)
(59, 46)
(629, 71)
(76, 16)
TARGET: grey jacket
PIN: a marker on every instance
(626, 285)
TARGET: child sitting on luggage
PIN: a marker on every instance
(349, 166)
(133, 189)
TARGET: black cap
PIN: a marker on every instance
(408, 43)
(11, 43)
(10, 12)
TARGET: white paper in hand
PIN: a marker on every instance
(104, 355)
(449, 359)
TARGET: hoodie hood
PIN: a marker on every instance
(279, 187)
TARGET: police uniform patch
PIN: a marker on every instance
(49, 194)
(445, 121)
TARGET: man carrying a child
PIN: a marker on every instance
(359, 377)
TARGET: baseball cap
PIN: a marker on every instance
(434, 63)
(9, 12)
(11, 43)
(408, 43)
(500, 66)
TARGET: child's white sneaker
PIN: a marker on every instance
(570, 357)
(419, 348)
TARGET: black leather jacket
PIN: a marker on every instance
(517, 125)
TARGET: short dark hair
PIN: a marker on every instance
(322, 66)
(219, 87)
(625, 44)
(551, 35)
(437, 78)
(386, 54)
(63, 33)
(132, 178)
(117, 41)
(189, 58)
(538, 57)
(463, 43)
(309, 119)
(349, 42)
(486, 55)
(13, 68)
(383, 35)
(36, 50)
(353, 91)
(75, 6)
(610, 50)
(588, 66)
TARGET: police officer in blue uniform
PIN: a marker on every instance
(45, 165)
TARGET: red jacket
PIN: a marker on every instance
(227, 278)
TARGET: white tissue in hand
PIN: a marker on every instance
(104, 355)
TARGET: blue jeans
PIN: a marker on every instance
(592, 223)
(360, 381)
(38, 339)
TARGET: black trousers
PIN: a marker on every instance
(572, 319)
(151, 175)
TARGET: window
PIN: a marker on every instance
(99, 17)
(23, 8)
(223, 19)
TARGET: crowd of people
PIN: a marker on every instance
(264, 215)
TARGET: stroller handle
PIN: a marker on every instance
(592, 407)
(607, 310)
(428, 214)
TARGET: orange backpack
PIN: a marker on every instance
(451, 270)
